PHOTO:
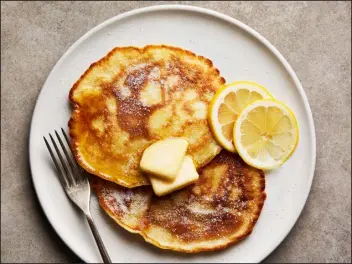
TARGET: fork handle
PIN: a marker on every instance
(98, 240)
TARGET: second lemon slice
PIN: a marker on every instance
(226, 105)
(266, 134)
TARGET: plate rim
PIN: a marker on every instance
(204, 11)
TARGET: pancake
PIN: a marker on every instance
(135, 96)
(220, 209)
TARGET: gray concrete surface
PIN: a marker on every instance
(313, 36)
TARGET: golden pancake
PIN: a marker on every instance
(220, 209)
(135, 96)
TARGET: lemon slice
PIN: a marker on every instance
(266, 134)
(226, 105)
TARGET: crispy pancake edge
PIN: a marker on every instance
(76, 105)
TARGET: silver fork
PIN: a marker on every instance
(76, 185)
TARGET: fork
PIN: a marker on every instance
(76, 185)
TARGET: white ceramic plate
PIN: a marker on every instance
(239, 53)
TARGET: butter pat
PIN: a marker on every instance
(187, 175)
(164, 158)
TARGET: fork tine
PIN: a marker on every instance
(62, 178)
(76, 174)
(67, 173)
(78, 168)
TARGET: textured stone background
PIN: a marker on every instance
(315, 37)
